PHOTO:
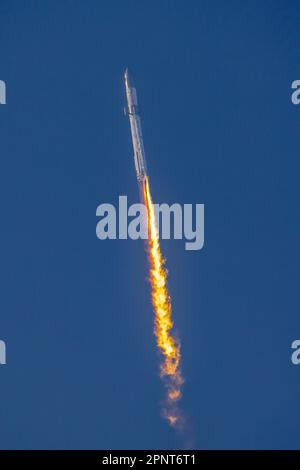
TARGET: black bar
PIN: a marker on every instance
(136, 458)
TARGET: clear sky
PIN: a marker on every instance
(213, 80)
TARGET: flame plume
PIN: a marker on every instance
(167, 343)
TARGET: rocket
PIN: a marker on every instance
(136, 129)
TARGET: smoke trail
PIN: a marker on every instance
(167, 343)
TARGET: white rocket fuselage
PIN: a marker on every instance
(136, 129)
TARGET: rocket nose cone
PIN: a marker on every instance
(126, 75)
(128, 78)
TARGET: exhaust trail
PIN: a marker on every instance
(167, 343)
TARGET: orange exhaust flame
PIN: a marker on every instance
(167, 343)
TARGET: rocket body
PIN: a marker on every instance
(136, 129)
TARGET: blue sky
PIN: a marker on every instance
(219, 128)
